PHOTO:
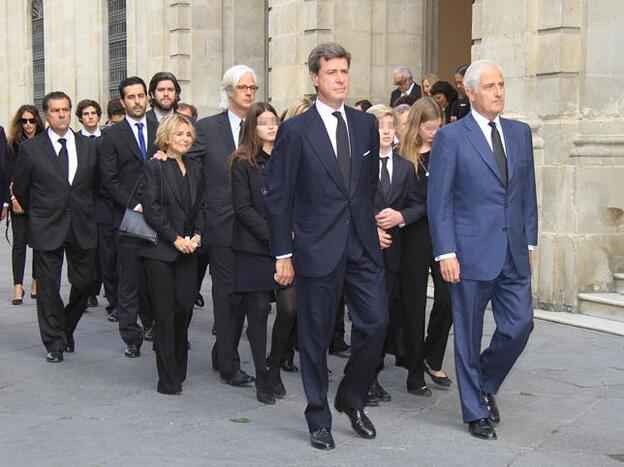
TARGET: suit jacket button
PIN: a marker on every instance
(346, 222)
(504, 229)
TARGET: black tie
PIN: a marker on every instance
(91, 136)
(384, 182)
(240, 131)
(342, 148)
(63, 157)
(499, 152)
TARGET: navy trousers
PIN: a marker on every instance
(483, 372)
(363, 284)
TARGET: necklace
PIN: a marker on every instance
(423, 166)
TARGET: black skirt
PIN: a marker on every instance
(253, 273)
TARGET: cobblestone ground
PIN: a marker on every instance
(563, 404)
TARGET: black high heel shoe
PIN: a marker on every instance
(443, 381)
(19, 301)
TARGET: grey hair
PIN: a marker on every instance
(328, 51)
(401, 109)
(473, 73)
(231, 77)
(403, 71)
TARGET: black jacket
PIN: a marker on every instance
(4, 168)
(250, 231)
(402, 198)
(121, 163)
(416, 92)
(167, 214)
(53, 205)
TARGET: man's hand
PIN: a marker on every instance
(196, 240)
(183, 245)
(388, 218)
(161, 156)
(138, 208)
(17, 208)
(385, 239)
(284, 271)
(450, 270)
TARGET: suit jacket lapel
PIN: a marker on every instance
(152, 128)
(226, 132)
(48, 149)
(321, 144)
(397, 174)
(171, 179)
(82, 153)
(356, 154)
(477, 139)
(131, 140)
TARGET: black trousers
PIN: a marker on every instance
(172, 289)
(106, 265)
(57, 322)
(19, 225)
(228, 319)
(339, 326)
(254, 305)
(286, 306)
(362, 282)
(132, 294)
(202, 266)
(417, 261)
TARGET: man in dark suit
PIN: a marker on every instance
(396, 206)
(217, 138)
(482, 213)
(124, 148)
(164, 95)
(321, 183)
(4, 177)
(55, 181)
(405, 86)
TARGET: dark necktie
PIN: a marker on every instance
(342, 148)
(92, 136)
(142, 145)
(384, 181)
(240, 131)
(63, 157)
(499, 152)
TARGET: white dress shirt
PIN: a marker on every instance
(160, 115)
(235, 126)
(331, 122)
(388, 164)
(135, 129)
(97, 133)
(72, 154)
(409, 90)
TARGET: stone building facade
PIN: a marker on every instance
(563, 68)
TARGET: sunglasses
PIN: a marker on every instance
(32, 121)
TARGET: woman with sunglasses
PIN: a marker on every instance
(25, 124)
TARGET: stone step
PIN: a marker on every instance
(608, 305)
(618, 278)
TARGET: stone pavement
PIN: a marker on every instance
(563, 405)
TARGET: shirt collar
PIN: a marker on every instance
(387, 155)
(235, 120)
(409, 90)
(132, 120)
(326, 111)
(482, 121)
(86, 133)
(160, 115)
(55, 137)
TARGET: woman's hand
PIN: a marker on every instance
(17, 208)
(183, 245)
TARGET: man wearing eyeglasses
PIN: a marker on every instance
(217, 138)
(403, 80)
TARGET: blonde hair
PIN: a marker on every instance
(380, 111)
(297, 108)
(168, 126)
(431, 79)
(424, 110)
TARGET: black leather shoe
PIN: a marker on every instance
(289, 367)
(379, 392)
(322, 439)
(92, 301)
(70, 345)
(275, 384)
(148, 334)
(422, 392)
(360, 423)
(340, 349)
(371, 399)
(238, 378)
(112, 316)
(263, 392)
(494, 414)
(133, 351)
(482, 429)
(443, 381)
(199, 301)
(56, 356)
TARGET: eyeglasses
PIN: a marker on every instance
(400, 82)
(32, 121)
(242, 88)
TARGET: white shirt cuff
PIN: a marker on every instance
(532, 247)
(401, 225)
(288, 255)
(445, 256)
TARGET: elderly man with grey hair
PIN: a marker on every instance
(217, 138)
(403, 80)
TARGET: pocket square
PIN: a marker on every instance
(366, 154)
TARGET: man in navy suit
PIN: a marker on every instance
(321, 183)
(483, 218)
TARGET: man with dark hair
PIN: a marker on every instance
(55, 181)
(164, 95)
(115, 111)
(188, 110)
(321, 184)
(124, 148)
(89, 113)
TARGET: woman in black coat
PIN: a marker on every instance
(254, 266)
(171, 196)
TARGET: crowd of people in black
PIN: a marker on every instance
(209, 191)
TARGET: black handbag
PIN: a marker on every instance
(133, 223)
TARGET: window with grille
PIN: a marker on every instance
(117, 60)
(38, 56)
